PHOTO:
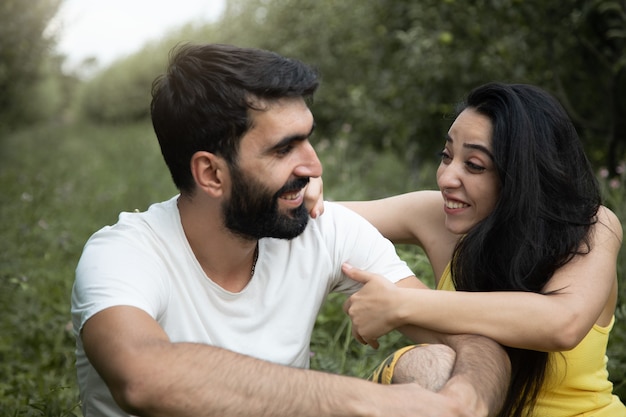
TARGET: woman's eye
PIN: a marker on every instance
(472, 167)
(445, 157)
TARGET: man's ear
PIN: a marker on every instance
(209, 172)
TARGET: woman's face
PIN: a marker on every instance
(467, 175)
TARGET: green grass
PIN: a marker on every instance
(59, 184)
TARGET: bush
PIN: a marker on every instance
(121, 93)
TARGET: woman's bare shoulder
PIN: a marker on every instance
(608, 224)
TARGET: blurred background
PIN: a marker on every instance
(77, 147)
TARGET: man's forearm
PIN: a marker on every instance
(199, 380)
(481, 373)
(483, 366)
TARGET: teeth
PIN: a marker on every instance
(291, 196)
(455, 205)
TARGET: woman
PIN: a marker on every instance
(518, 230)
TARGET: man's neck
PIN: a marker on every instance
(226, 258)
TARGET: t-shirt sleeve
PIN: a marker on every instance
(114, 270)
(353, 239)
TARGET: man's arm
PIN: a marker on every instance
(150, 376)
(480, 375)
(482, 370)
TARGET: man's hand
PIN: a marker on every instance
(426, 403)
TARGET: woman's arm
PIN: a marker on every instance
(584, 293)
(395, 217)
(416, 218)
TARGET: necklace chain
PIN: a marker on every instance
(256, 256)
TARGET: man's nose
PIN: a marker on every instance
(310, 165)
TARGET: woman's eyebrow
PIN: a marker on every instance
(475, 146)
(479, 148)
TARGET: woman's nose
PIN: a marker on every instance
(448, 176)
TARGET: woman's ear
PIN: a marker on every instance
(208, 171)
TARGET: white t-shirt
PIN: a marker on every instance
(145, 261)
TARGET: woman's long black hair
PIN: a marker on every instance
(548, 201)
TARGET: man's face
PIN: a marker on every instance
(252, 211)
(274, 165)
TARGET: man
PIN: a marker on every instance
(204, 305)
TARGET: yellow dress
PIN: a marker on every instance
(577, 382)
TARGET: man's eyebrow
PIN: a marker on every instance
(478, 147)
(289, 139)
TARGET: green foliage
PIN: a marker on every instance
(121, 93)
(334, 349)
(59, 185)
(367, 173)
(616, 352)
(614, 192)
(393, 70)
(24, 58)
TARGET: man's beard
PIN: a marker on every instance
(252, 210)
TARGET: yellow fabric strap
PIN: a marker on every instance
(383, 374)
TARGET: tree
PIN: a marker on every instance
(394, 69)
(24, 47)
(600, 111)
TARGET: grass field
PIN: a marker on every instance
(59, 184)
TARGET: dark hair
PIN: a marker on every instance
(548, 201)
(201, 103)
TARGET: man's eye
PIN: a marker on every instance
(284, 150)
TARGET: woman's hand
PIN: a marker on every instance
(314, 197)
(373, 308)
